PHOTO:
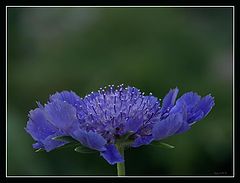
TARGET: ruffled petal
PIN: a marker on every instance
(50, 144)
(68, 96)
(206, 104)
(184, 127)
(145, 140)
(182, 109)
(167, 127)
(38, 145)
(42, 131)
(197, 108)
(169, 100)
(38, 127)
(112, 155)
(189, 99)
(195, 116)
(90, 139)
(61, 114)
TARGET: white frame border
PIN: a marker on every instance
(233, 82)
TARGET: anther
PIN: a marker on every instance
(94, 109)
(129, 108)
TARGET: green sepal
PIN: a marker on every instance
(125, 140)
(82, 149)
(162, 144)
(39, 150)
(65, 139)
(68, 145)
(128, 135)
(70, 142)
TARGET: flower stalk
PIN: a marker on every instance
(121, 166)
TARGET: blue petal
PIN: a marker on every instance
(61, 114)
(195, 116)
(38, 127)
(50, 144)
(189, 99)
(182, 109)
(167, 127)
(206, 104)
(196, 107)
(68, 96)
(42, 131)
(185, 127)
(169, 100)
(142, 141)
(112, 155)
(38, 145)
(90, 139)
(40, 105)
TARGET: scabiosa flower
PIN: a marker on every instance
(114, 118)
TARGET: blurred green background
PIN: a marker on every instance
(153, 49)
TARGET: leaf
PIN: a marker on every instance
(65, 139)
(163, 145)
(82, 149)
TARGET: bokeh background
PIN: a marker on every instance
(154, 49)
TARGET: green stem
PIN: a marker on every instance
(121, 166)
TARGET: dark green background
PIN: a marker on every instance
(153, 49)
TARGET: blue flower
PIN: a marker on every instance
(112, 116)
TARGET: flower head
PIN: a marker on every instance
(112, 116)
